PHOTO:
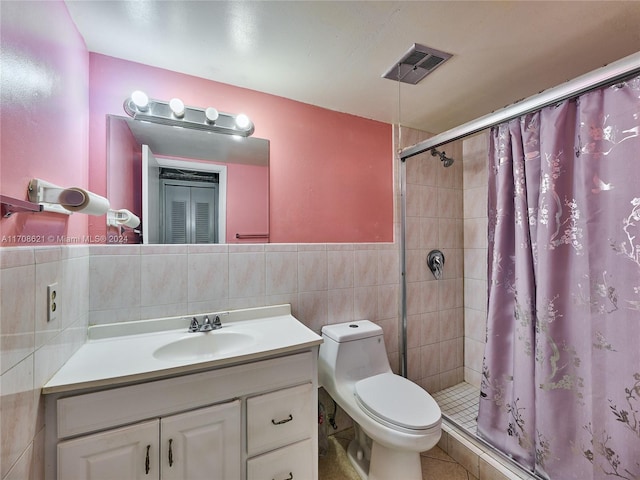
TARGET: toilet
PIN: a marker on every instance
(394, 418)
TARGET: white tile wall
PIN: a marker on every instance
(325, 283)
(32, 349)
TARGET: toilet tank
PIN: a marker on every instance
(351, 351)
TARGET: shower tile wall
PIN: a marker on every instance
(475, 254)
(435, 314)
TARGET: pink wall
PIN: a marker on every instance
(247, 202)
(43, 116)
(331, 174)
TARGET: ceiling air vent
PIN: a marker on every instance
(418, 62)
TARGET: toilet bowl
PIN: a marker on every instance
(394, 418)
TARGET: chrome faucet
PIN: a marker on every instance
(206, 326)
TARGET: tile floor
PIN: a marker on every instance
(436, 464)
(460, 403)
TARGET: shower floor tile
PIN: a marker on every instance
(460, 403)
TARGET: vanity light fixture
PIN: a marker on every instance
(140, 107)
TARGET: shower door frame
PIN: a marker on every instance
(617, 70)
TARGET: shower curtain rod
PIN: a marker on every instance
(614, 71)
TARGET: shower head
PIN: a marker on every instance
(446, 161)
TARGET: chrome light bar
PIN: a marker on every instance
(140, 107)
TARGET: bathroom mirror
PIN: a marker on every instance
(189, 186)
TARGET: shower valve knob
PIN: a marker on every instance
(435, 262)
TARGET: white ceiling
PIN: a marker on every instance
(333, 54)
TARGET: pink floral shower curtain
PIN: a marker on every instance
(561, 378)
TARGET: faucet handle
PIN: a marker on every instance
(217, 323)
(194, 326)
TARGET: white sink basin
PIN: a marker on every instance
(200, 346)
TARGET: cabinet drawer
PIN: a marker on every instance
(294, 461)
(279, 418)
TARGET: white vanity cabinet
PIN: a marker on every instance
(203, 443)
(248, 421)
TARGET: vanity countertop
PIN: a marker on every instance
(128, 352)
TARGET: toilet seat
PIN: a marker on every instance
(397, 402)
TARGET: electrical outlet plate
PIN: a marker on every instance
(52, 302)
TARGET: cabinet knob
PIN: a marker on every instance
(170, 452)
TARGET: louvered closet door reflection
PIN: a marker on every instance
(203, 215)
(177, 201)
(190, 214)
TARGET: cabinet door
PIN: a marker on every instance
(204, 443)
(128, 452)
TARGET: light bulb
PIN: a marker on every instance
(177, 107)
(211, 114)
(242, 121)
(140, 100)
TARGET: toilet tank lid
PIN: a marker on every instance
(346, 332)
